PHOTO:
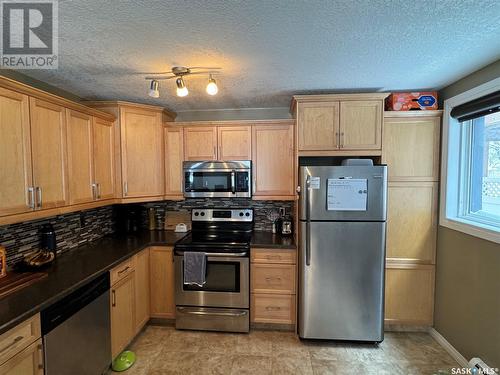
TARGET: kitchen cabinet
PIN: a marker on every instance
(27, 362)
(339, 124)
(409, 296)
(141, 153)
(217, 142)
(104, 158)
(273, 286)
(162, 282)
(174, 157)
(123, 323)
(273, 162)
(141, 278)
(16, 176)
(49, 154)
(200, 143)
(80, 157)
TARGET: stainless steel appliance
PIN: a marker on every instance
(222, 303)
(342, 252)
(231, 179)
(76, 331)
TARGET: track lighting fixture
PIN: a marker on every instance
(181, 87)
(153, 89)
(212, 88)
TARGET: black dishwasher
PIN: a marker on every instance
(76, 331)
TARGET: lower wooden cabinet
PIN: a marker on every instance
(409, 294)
(28, 362)
(123, 325)
(162, 282)
(273, 286)
(141, 279)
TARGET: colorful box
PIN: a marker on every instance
(411, 101)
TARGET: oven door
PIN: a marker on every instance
(227, 282)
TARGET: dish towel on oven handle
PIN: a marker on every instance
(195, 265)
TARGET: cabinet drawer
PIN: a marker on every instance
(273, 278)
(272, 308)
(19, 337)
(273, 256)
(121, 271)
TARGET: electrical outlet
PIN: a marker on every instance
(282, 211)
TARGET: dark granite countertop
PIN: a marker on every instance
(75, 268)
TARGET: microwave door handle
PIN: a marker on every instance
(308, 222)
(233, 181)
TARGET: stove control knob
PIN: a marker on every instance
(202, 214)
(196, 213)
(247, 214)
(241, 213)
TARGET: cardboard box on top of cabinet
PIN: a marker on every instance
(411, 101)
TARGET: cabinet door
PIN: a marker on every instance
(15, 153)
(273, 161)
(200, 143)
(141, 289)
(361, 125)
(411, 148)
(409, 294)
(318, 126)
(27, 362)
(162, 282)
(122, 314)
(48, 144)
(142, 153)
(412, 221)
(104, 160)
(80, 158)
(174, 156)
(234, 142)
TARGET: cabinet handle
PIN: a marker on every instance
(273, 256)
(273, 308)
(270, 278)
(342, 140)
(14, 342)
(31, 197)
(215, 152)
(337, 139)
(98, 190)
(39, 200)
(125, 188)
(94, 194)
(123, 270)
(113, 298)
(40, 357)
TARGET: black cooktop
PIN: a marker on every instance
(220, 241)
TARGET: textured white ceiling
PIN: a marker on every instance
(269, 50)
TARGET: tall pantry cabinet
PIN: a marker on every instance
(411, 151)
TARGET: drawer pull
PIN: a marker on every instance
(123, 270)
(113, 298)
(15, 341)
(271, 278)
(274, 257)
(273, 308)
(40, 357)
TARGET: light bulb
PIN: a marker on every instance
(212, 88)
(181, 87)
(153, 89)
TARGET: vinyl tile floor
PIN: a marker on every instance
(164, 350)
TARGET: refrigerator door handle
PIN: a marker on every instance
(308, 222)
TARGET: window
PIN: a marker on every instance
(470, 193)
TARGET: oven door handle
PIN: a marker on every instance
(233, 181)
(197, 312)
(221, 255)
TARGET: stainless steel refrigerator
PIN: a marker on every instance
(342, 252)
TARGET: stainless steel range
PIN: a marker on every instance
(222, 303)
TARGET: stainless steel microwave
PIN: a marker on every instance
(229, 179)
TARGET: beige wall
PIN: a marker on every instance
(467, 311)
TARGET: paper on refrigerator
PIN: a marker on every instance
(347, 194)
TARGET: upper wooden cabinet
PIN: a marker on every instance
(15, 152)
(411, 145)
(48, 150)
(224, 142)
(104, 158)
(349, 124)
(234, 142)
(273, 161)
(174, 156)
(80, 158)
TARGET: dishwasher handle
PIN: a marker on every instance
(65, 308)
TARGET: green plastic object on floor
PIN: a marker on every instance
(124, 361)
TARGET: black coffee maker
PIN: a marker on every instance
(48, 239)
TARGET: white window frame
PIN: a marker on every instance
(450, 168)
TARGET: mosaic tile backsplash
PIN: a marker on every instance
(72, 230)
(263, 210)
